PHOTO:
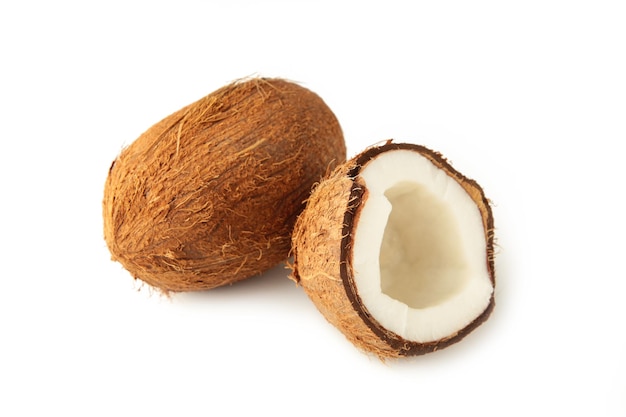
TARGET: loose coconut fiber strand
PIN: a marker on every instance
(210, 194)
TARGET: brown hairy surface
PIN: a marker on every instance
(209, 195)
(322, 243)
(318, 248)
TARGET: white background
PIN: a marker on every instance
(528, 98)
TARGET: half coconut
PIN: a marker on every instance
(395, 248)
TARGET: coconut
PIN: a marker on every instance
(209, 195)
(395, 248)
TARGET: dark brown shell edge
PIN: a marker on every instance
(358, 195)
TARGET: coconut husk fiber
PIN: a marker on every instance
(209, 195)
(322, 255)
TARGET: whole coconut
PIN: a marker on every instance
(209, 195)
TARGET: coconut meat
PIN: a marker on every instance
(419, 250)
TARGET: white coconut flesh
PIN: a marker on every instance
(419, 250)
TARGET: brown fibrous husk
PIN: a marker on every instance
(322, 254)
(209, 195)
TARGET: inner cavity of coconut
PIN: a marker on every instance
(422, 263)
(419, 252)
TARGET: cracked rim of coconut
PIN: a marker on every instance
(395, 248)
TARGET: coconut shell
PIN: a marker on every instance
(209, 195)
(322, 255)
